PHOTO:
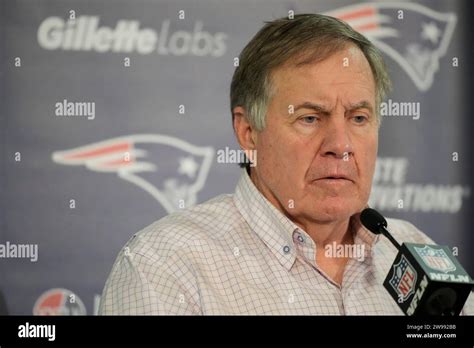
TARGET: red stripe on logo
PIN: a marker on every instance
(100, 151)
(369, 11)
(364, 27)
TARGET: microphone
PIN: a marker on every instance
(424, 279)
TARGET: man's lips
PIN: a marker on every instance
(334, 179)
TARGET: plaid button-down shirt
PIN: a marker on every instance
(237, 254)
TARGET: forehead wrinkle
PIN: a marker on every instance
(363, 104)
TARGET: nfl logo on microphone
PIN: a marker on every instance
(428, 280)
(436, 259)
(404, 279)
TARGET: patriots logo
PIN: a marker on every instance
(415, 36)
(173, 180)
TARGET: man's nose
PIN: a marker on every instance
(337, 141)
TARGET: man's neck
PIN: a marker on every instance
(327, 233)
(322, 233)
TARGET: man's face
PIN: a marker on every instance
(316, 155)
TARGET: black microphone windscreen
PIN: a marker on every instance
(372, 220)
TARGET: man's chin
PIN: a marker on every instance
(334, 212)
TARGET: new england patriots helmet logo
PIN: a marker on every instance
(390, 27)
(173, 180)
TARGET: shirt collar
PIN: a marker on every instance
(276, 230)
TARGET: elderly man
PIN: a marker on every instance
(305, 99)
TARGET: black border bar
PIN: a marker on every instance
(140, 330)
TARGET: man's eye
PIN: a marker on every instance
(360, 119)
(309, 119)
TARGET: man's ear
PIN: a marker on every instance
(246, 134)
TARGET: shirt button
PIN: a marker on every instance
(300, 238)
(286, 249)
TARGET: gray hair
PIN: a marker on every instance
(310, 37)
